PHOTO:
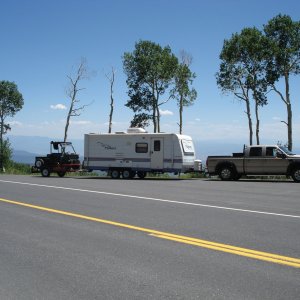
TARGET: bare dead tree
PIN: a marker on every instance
(72, 92)
(111, 79)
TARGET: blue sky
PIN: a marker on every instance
(42, 42)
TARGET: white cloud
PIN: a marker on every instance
(80, 122)
(15, 123)
(197, 119)
(58, 107)
(166, 112)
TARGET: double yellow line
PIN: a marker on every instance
(259, 255)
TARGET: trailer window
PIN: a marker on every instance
(188, 147)
(141, 147)
(156, 146)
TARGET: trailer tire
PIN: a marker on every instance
(226, 173)
(141, 174)
(115, 174)
(45, 172)
(296, 174)
(126, 174)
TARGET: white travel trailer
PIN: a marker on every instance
(137, 152)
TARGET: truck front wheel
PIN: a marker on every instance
(296, 174)
(226, 173)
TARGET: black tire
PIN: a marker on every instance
(45, 172)
(61, 173)
(296, 174)
(39, 163)
(141, 174)
(226, 173)
(115, 174)
(126, 174)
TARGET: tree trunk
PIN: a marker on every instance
(289, 112)
(67, 123)
(158, 119)
(248, 112)
(257, 123)
(111, 80)
(180, 114)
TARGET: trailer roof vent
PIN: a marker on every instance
(136, 130)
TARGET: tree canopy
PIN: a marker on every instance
(150, 70)
(11, 101)
(283, 59)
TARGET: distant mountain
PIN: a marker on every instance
(24, 157)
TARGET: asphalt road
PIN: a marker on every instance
(93, 238)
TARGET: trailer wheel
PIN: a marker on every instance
(141, 174)
(226, 173)
(115, 174)
(126, 174)
(45, 172)
(39, 163)
(61, 173)
(296, 174)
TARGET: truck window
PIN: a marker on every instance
(141, 147)
(156, 146)
(255, 151)
(271, 151)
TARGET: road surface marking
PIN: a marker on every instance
(157, 199)
(259, 255)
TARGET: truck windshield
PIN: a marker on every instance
(188, 147)
(286, 150)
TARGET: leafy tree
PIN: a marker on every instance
(283, 59)
(11, 101)
(242, 71)
(150, 70)
(182, 92)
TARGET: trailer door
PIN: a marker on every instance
(157, 153)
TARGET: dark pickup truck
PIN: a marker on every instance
(256, 160)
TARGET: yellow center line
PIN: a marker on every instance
(259, 255)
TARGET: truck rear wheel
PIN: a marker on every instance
(61, 173)
(296, 174)
(226, 173)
